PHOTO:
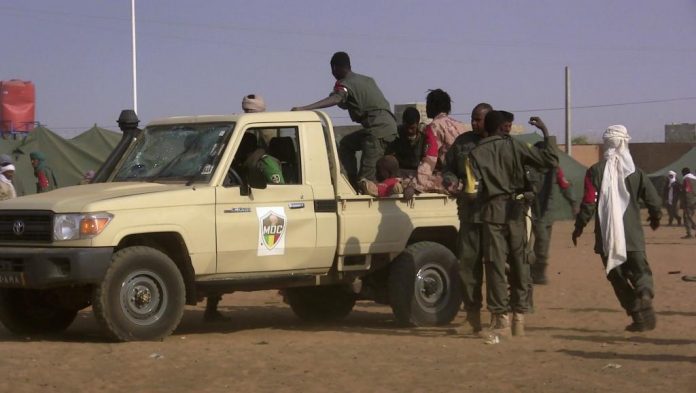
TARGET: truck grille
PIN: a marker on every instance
(26, 226)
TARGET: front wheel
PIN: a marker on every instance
(424, 285)
(142, 295)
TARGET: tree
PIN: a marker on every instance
(580, 140)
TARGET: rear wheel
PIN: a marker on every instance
(322, 303)
(32, 311)
(141, 297)
(424, 285)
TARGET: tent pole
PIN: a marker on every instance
(568, 139)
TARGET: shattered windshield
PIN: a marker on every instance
(175, 152)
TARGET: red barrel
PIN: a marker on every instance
(17, 106)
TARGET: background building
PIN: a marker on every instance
(680, 133)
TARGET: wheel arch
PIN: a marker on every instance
(173, 245)
(445, 235)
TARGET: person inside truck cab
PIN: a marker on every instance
(254, 103)
(249, 156)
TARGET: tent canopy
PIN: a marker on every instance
(574, 173)
(69, 159)
(688, 160)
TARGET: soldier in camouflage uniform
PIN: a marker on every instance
(499, 161)
(614, 190)
(688, 201)
(366, 105)
(469, 242)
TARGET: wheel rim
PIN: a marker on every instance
(143, 297)
(432, 287)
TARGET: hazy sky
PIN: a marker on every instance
(632, 62)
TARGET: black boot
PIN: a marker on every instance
(211, 310)
(538, 271)
(649, 318)
(638, 324)
(644, 319)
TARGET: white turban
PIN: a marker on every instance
(253, 103)
(614, 197)
(5, 168)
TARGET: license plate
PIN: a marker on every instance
(12, 279)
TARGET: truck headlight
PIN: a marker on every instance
(79, 226)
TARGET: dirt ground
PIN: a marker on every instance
(575, 343)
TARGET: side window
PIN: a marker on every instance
(275, 149)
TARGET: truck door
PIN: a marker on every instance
(273, 229)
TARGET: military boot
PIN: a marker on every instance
(473, 318)
(518, 324)
(638, 324)
(538, 271)
(649, 319)
(647, 311)
(500, 325)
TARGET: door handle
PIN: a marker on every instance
(238, 210)
(296, 205)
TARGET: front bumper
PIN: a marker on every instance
(38, 268)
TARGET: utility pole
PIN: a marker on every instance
(568, 138)
(135, 75)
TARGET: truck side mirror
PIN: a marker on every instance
(256, 178)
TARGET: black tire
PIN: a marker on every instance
(31, 311)
(424, 285)
(322, 303)
(142, 295)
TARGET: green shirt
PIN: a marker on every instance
(272, 169)
(546, 187)
(499, 162)
(689, 191)
(269, 166)
(365, 104)
(641, 190)
(407, 151)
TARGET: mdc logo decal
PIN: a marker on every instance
(273, 228)
(273, 224)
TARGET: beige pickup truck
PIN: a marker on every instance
(176, 220)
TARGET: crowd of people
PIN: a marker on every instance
(501, 185)
(676, 194)
(499, 182)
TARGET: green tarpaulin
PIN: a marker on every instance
(574, 173)
(688, 160)
(68, 158)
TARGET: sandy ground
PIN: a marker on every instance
(575, 343)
